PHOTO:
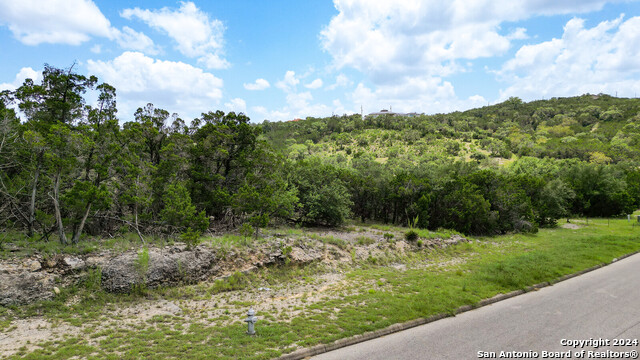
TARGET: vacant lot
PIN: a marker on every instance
(367, 280)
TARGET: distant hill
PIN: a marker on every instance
(592, 128)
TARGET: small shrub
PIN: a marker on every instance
(411, 235)
(258, 221)
(334, 241)
(388, 236)
(286, 253)
(237, 281)
(190, 237)
(246, 230)
(142, 266)
(363, 240)
(93, 280)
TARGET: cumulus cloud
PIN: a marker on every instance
(289, 82)
(237, 105)
(69, 22)
(583, 60)
(387, 39)
(130, 39)
(428, 95)
(315, 84)
(174, 86)
(259, 84)
(194, 33)
(298, 105)
(518, 34)
(21, 76)
(341, 81)
(406, 44)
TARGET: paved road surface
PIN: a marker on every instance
(604, 303)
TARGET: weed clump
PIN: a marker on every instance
(411, 236)
(363, 240)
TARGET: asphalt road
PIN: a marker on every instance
(602, 304)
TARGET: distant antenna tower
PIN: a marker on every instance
(361, 112)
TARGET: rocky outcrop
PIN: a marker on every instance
(24, 283)
(280, 253)
(167, 266)
(304, 255)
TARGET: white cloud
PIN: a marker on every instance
(518, 34)
(406, 48)
(387, 40)
(213, 61)
(96, 49)
(341, 81)
(262, 113)
(260, 110)
(298, 105)
(174, 86)
(130, 39)
(259, 84)
(289, 82)
(429, 95)
(299, 101)
(69, 22)
(21, 76)
(237, 105)
(598, 59)
(194, 33)
(315, 84)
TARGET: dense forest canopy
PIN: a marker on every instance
(69, 169)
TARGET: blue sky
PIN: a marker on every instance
(281, 59)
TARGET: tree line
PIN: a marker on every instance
(69, 169)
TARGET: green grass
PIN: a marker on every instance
(378, 297)
(364, 240)
(333, 241)
(17, 244)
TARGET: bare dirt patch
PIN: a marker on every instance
(28, 333)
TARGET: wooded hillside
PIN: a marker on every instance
(70, 169)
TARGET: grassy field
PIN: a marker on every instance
(371, 295)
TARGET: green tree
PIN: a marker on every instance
(11, 144)
(97, 160)
(555, 202)
(226, 155)
(324, 197)
(52, 108)
(460, 205)
(179, 213)
(600, 190)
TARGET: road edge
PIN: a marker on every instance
(323, 348)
